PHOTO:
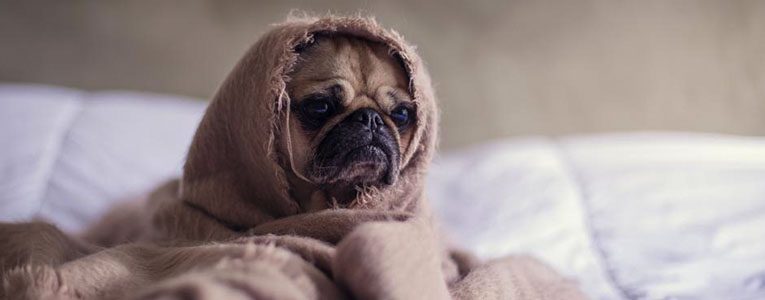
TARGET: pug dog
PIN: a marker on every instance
(352, 117)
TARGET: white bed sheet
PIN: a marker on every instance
(630, 216)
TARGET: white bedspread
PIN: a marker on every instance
(630, 216)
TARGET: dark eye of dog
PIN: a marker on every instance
(317, 108)
(315, 111)
(402, 116)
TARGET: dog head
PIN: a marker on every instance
(352, 114)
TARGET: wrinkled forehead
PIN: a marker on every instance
(352, 63)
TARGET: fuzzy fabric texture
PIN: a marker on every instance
(230, 229)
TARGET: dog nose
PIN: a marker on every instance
(368, 117)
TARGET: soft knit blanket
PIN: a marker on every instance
(229, 228)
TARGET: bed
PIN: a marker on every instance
(639, 215)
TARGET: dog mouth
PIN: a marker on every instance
(370, 164)
(373, 162)
(343, 173)
(366, 164)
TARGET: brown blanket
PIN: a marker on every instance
(231, 229)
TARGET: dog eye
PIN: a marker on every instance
(401, 116)
(318, 108)
(315, 110)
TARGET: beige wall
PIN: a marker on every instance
(501, 67)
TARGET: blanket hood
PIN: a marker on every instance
(234, 169)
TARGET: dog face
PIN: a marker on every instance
(351, 114)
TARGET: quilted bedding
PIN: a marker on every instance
(630, 216)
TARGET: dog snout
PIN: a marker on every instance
(368, 117)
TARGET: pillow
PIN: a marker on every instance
(68, 155)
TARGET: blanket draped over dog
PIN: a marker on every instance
(231, 229)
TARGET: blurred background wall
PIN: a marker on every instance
(500, 67)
